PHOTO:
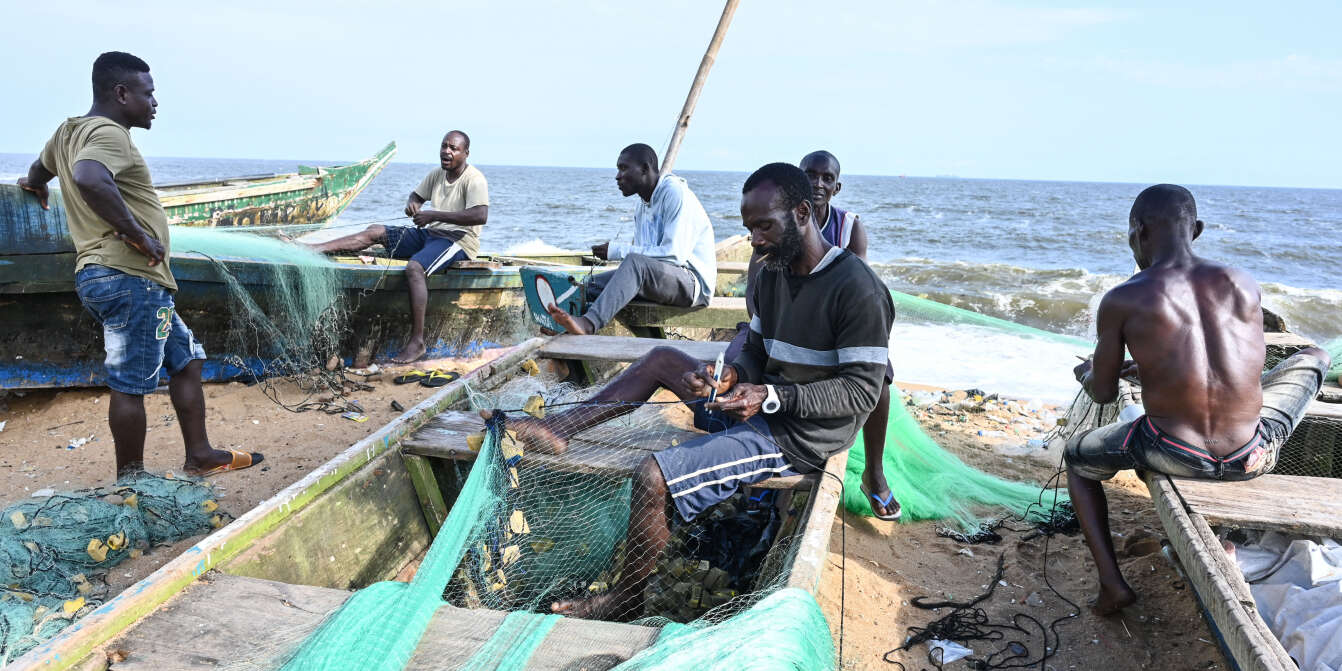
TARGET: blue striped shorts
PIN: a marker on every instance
(707, 470)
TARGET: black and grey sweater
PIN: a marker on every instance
(822, 340)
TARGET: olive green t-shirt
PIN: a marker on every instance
(469, 190)
(100, 139)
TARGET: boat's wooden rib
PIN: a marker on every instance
(226, 618)
(617, 349)
(76, 642)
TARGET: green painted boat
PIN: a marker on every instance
(313, 195)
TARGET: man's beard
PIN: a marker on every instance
(780, 256)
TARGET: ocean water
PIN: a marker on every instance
(1037, 253)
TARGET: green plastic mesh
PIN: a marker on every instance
(287, 308)
(1334, 348)
(55, 551)
(931, 483)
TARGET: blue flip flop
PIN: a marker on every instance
(892, 517)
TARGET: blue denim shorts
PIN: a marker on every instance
(142, 334)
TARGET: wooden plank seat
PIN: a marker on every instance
(1294, 504)
(619, 349)
(721, 312)
(597, 450)
(225, 620)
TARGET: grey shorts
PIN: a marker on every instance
(706, 471)
(1288, 388)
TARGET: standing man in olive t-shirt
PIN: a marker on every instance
(121, 269)
(445, 230)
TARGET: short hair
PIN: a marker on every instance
(790, 180)
(1165, 206)
(466, 138)
(822, 154)
(112, 68)
(642, 153)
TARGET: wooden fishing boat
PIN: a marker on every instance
(260, 584)
(313, 195)
(51, 341)
(1193, 511)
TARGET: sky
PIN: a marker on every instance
(1197, 92)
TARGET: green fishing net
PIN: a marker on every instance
(1334, 348)
(288, 313)
(929, 482)
(55, 551)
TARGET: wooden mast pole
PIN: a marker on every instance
(683, 121)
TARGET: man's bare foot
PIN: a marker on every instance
(574, 325)
(600, 607)
(412, 352)
(1110, 602)
(537, 436)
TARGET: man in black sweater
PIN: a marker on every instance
(811, 371)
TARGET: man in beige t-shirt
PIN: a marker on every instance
(121, 268)
(446, 231)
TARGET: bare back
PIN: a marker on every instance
(1195, 330)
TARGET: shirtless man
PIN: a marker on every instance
(788, 408)
(1195, 330)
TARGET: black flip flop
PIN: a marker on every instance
(891, 517)
(437, 378)
(412, 376)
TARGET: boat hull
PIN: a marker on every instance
(310, 196)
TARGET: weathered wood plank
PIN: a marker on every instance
(226, 620)
(616, 348)
(364, 530)
(72, 645)
(810, 561)
(1218, 582)
(1289, 503)
(721, 312)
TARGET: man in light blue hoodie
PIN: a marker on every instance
(672, 260)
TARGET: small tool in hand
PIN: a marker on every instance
(717, 378)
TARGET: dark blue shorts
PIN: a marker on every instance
(707, 470)
(142, 334)
(431, 251)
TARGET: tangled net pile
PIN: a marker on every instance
(55, 552)
(288, 313)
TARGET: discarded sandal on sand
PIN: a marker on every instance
(411, 376)
(884, 503)
(240, 461)
(438, 378)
